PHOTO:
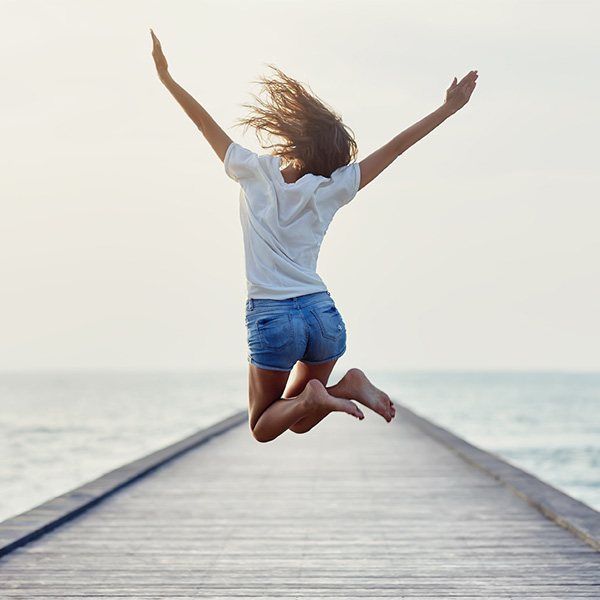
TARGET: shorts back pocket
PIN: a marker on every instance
(276, 332)
(330, 322)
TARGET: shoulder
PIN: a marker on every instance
(347, 174)
(238, 161)
(343, 184)
(241, 163)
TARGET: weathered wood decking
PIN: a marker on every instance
(350, 510)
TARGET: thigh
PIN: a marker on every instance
(264, 388)
(303, 373)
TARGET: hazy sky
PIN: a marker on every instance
(120, 242)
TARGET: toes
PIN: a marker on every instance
(392, 412)
(355, 411)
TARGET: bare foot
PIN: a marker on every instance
(318, 398)
(355, 385)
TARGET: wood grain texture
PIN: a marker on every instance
(568, 512)
(30, 525)
(349, 510)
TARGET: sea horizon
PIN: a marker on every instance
(62, 428)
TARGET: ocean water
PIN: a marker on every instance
(60, 430)
(546, 423)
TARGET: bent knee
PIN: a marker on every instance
(260, 436)
(298, 429)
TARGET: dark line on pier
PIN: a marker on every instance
(573, 515)
(23, 528)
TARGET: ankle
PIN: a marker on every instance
(309, 395)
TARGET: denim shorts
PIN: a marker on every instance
(282, 332)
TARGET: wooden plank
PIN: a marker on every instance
(30, 525)
(350, 510)
(568, 512)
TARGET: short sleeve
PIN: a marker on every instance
(240, 163)
(344, 184)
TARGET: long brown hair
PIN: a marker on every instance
(295, 124)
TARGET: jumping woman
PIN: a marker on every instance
(287, 201)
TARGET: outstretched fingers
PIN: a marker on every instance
(159, 58)
(470, 77)
(465, 86)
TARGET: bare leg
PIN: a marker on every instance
(271, 415)
(353, 386)
(302, 374)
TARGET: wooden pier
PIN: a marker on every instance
(350, 510)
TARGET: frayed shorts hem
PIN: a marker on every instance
(265, 367)
(322, 362)
(306, 362)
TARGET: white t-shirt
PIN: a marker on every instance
(284, 223)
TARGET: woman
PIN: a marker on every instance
(295, 332)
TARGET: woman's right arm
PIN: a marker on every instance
(214, 135)
(457, 95)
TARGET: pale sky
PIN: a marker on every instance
(120, 242)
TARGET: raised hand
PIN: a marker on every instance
(458, 94)
(159, 58)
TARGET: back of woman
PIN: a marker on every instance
(287, 201)
(284, 223)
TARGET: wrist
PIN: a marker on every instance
(446, 111)
(165, 77)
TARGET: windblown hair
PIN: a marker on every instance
(295, 124)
